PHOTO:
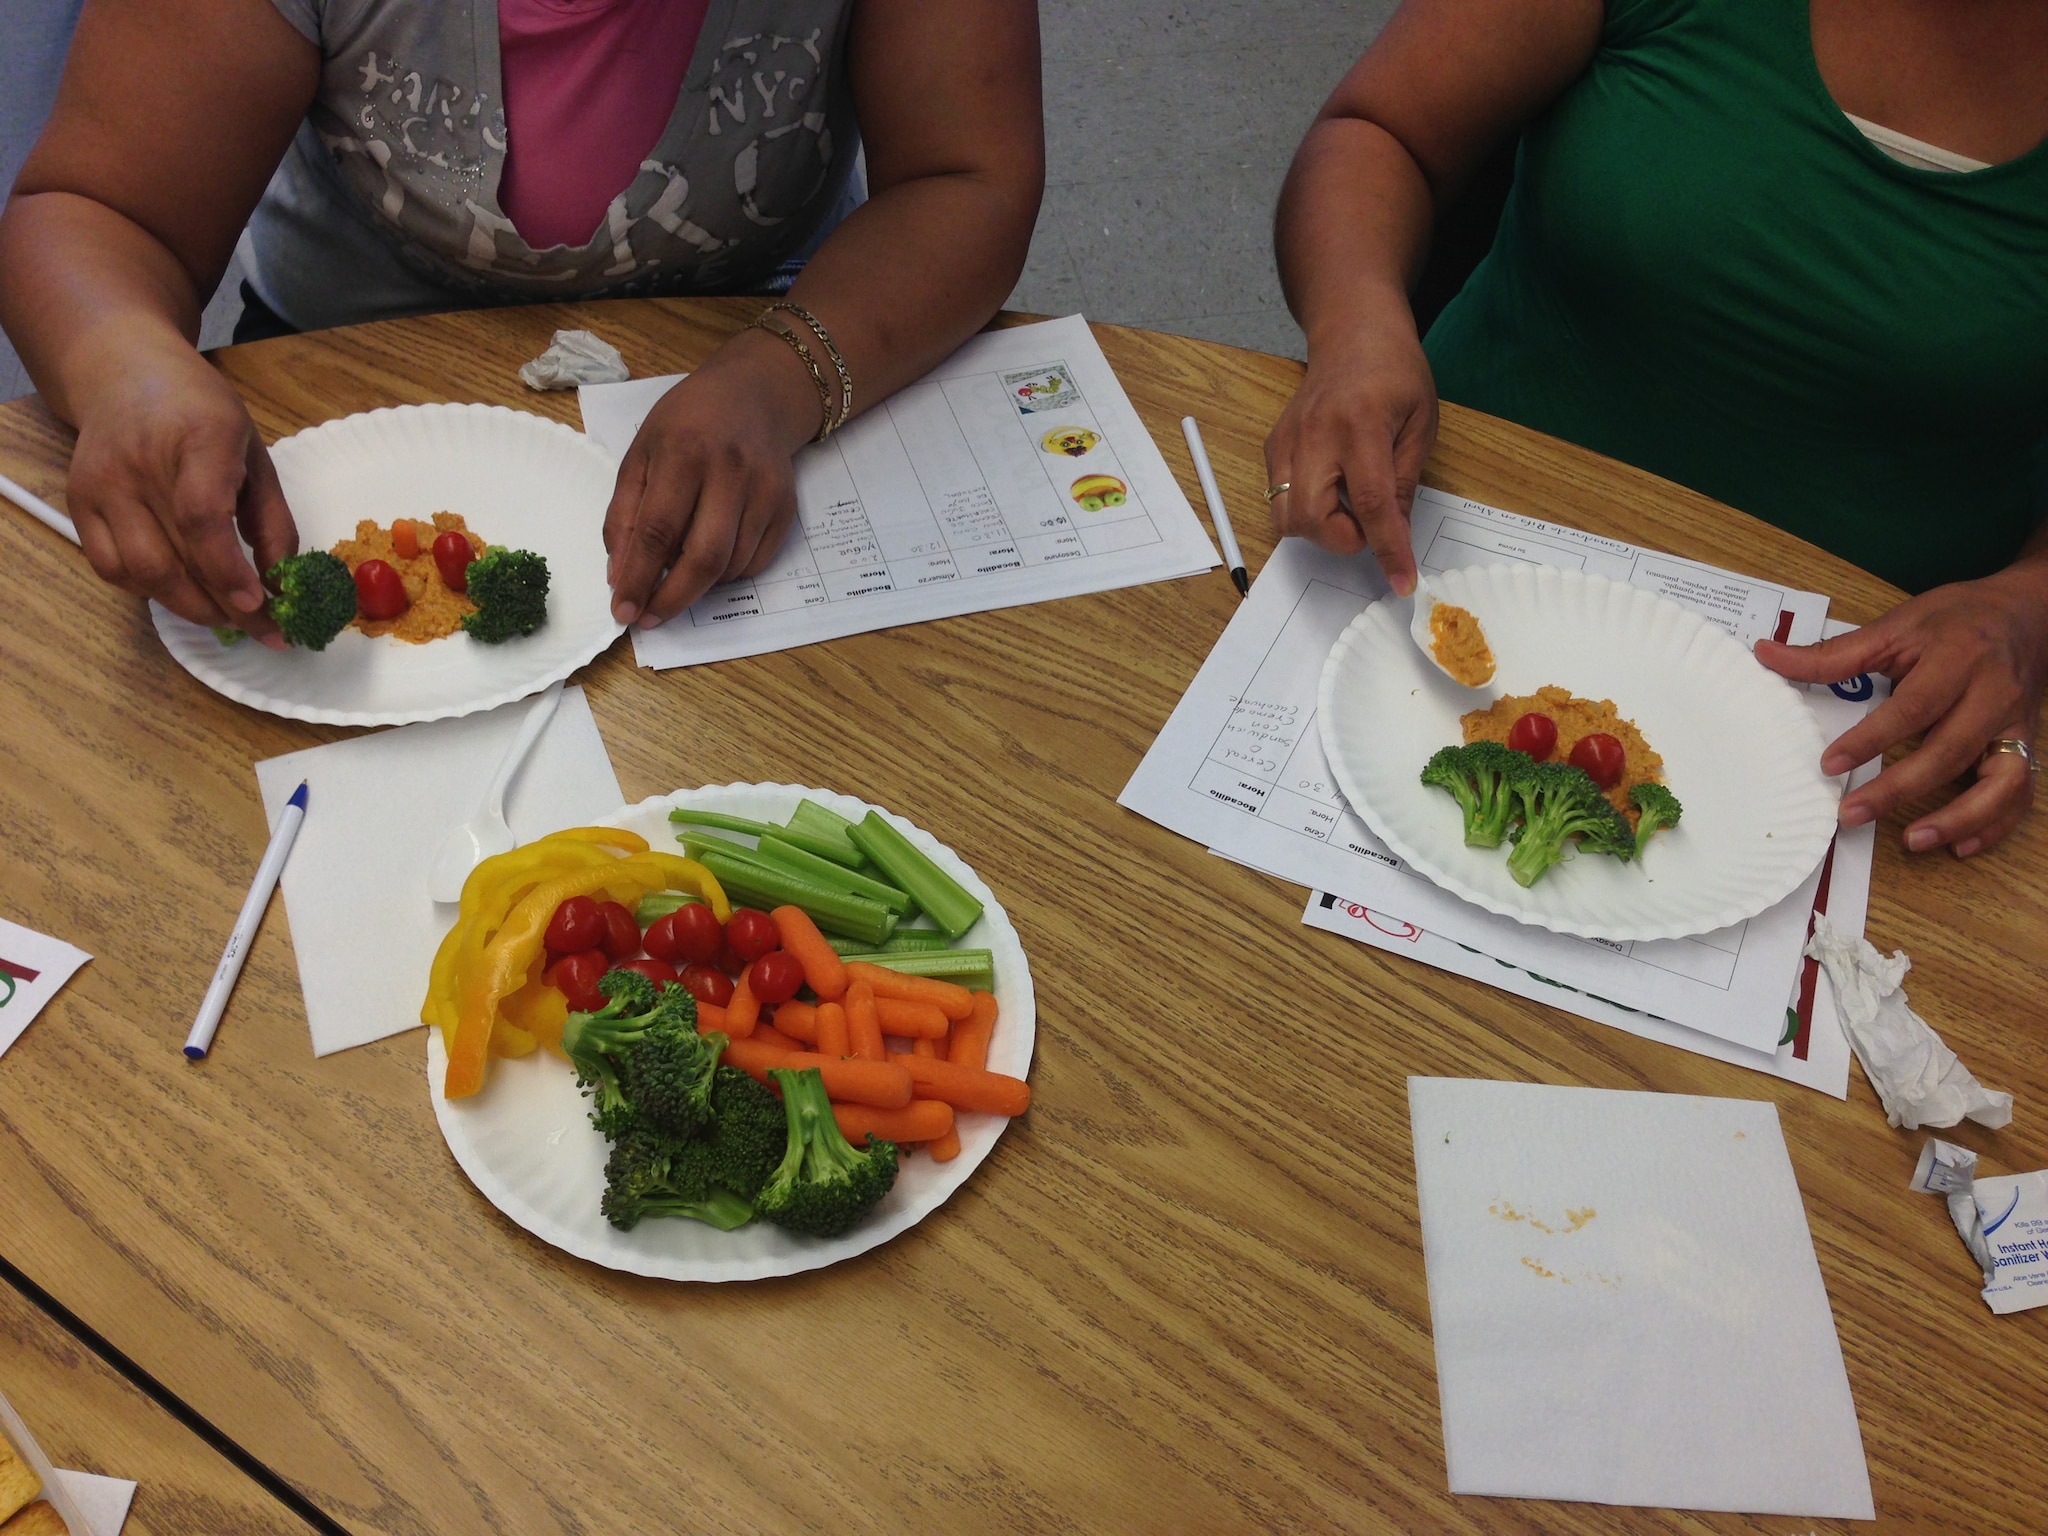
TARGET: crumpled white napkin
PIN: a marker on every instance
(576, 357)
(1917, 1078)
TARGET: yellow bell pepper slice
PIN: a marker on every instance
(491, 891)
(676, 873)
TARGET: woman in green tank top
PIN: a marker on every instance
(1792, 255)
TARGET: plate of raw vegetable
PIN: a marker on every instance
(735, 1032)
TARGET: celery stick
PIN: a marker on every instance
(696, 846)
(762, 886)
(947, 964)
(938, 893)
(808, 866)
(689, 818)
(822, 826)
(657, 906)
(915, 941)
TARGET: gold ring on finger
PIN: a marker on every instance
(2017, 748)
(1280, 489)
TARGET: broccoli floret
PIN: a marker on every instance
(1480, 776)
(667, 1072)
(316, 597)
(1656, 808)
(596, 1042)
(1557, 803)
(749, 1133)
(823, 1186)
(648, 1174)
(510, 590)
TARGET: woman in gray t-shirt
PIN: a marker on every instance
(360, 143)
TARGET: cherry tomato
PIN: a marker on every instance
(576, 977)
(656, 971)
(1534, 734)
(1602, 758)
(725, 960)
(693, 932)
(660, 939)
(775, 977)
(707, 985)
(452, 555)
(576, 925)
(379, 592)
(751, 934)
(621, 938)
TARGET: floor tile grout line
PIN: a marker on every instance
(174, 1405)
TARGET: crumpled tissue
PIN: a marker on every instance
(576, 357)
(1917, 1078)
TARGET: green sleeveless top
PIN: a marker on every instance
(1704, 269)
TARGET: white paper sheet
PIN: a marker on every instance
(355, 892)
(88, 1504)
(103, 1501)
(944, 499)
(33, 969)
(1626, 1304)
(1813, 1051)
(1240, 764)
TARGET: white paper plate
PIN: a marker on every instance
(527, 1143)
(1741, 751)
(517, 479)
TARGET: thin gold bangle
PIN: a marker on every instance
(760, 323)
(825, 339)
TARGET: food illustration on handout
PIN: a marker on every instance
(1072, 441)
(1094, 492)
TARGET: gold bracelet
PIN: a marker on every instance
(760, 323)
(825, 339)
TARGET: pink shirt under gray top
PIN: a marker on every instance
(589, 85)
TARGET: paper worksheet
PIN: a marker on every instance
(1014, 472)
(33, 969)
(1812, 1050)
(1240, 763)
(1625, 1303)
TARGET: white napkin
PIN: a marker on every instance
(88, 1504)
(33, 969)
(355, 891)
(576, 357)
(1918, 1079)
(1626, 1304)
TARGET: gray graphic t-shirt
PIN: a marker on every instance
(387, 201)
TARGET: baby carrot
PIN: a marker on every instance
(882, 1084)
(954, 1002)
(768, 1034)
(919, 1120)
(797, 1020)
(942, 1148)
(744, 1011)
(832, 1039)
(898, 1016)
(405, 538)
(711, 1019)
(922, 1046)
(824, 971)
(863, 1029)
(970, 1040)
(966, 1087)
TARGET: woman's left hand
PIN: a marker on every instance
(707, 492)
(1968, 664)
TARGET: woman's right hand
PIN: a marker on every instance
(168, 466)
(1350, 445)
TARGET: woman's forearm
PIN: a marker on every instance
(83, 291)
(1352, 228)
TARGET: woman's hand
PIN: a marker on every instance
(168, 466)
(707, 492)
(1350, 445)
(1968, 663)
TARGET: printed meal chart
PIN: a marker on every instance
(1240, 764)
(1016, 472)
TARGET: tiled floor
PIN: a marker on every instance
(1168, 129)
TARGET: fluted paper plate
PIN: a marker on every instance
(527, 1144)
(519, 480)
(1741, 751)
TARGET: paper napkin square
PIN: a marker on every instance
(88, 1504)
(33, 969)
(355, 893)
(1626, 1304)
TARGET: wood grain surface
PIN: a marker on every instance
(87, 1417)
(1185, 1294)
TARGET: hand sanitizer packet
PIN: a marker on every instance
(2003, 1221)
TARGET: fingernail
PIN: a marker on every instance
(1834, 763)
(624, 613)
(649, 620)
(275, 642)
(1920, 839)
(1857, 815)
(1403, 585)
(1967, 847)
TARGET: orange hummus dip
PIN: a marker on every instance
(434, 610)
(1458, 642)
(1574, 718)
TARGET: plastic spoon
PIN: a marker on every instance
(1419, 630)
(487, 832)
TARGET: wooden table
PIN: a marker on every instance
(1185, 1294)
